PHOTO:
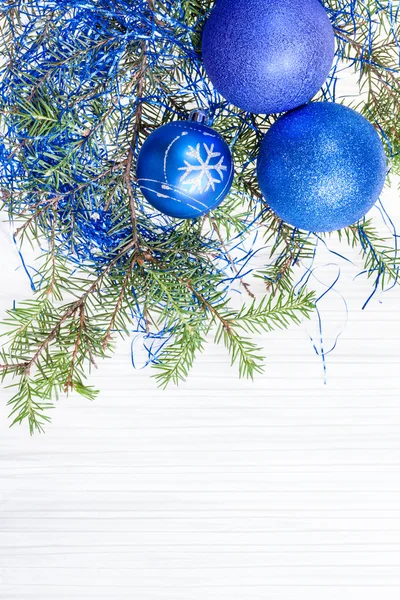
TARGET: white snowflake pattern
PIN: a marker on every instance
(201, 176)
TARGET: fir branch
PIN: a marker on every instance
(269, 314)
(289, 248)
(28, 405)
(53, 370)
(276, 312)
(381, 259)
(120, 299)
(176, 361)
(80, 90)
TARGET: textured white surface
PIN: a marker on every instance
(222, 489)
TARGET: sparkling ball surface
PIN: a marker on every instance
(185, 169)
(268, 56)
(321, 167)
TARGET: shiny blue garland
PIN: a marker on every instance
(110, 27)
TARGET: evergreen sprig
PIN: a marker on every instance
(380, 256)
(82, 84)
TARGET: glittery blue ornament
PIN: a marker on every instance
(185, 169)
(321, 167)
(268, 56)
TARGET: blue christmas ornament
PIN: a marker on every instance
(185, 169)
(321, 167)
(268, 56)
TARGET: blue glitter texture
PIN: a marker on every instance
(268, 56)
(321, 167)
(185, 169)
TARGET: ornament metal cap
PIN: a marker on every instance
(200, 116)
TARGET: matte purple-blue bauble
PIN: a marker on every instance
(321, 167)
(185, 169)
(268, 56)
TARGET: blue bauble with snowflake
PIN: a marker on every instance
(185, 169)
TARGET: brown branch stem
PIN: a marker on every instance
(140, 88)
(69, 383)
